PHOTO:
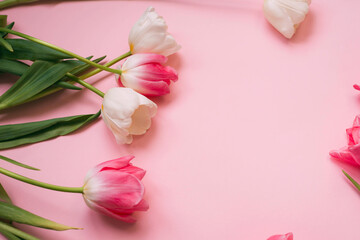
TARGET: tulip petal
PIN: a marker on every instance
(116, 164)
(113, 188)
(125, 217)
(141, 59)
(343, 155)
(288, 236)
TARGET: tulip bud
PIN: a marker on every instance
(114, 189)
(145, 74)
(149, 35)
(127, 113)
(286, 15)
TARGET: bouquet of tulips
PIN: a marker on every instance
(114, 187)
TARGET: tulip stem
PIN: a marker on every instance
(85, 84)
(33, 39)
(109, 64)
(40, 184)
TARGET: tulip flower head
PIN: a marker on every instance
(288, 236)
(149, 35)
(145, 74)
(286, 15)
(351, 152)
(114, 189)
(127, 113)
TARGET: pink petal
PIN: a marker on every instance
(125, 217)
(355, 153)
(135, 171)
(288, 236)
(114, 189)
(350, 138)
(356, 86)
(154, 88)
(343, 155)
(114, 164)
(155, 72)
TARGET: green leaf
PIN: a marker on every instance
(14, 135)
(13, 213)
(6, 45)
(28, 50)
(54, 89)
(18, 163)
(3, 20)
(3, 195)
(357, 185)
(66, 85)
(10, 26)
(39, 76)
(13, 67)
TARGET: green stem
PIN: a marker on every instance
(60, 50)
(10, 3)
(109, 64)
(40, 184)
(85, 84)
(7, 228)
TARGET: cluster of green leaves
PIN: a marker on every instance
(10, 213)
(47, 73)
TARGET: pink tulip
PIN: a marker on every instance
(351, 152)
(288, 236)
(145, 74)
(114, 189)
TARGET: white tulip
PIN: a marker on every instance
(149, 35)
(286, 15)
(127, 113)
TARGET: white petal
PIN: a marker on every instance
(285, 15)
(126, 112)
(149, 35)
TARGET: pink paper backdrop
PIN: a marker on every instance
(238, 150)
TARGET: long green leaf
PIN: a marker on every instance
(17, 163)
(3, 195)
(14, 135)
(10, 26)
(13, 233)
(39, 76)
(28, 50)
(13, 67)
(13, 213)
(6, 45)
(54, 89)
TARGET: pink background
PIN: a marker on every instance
(238, 150)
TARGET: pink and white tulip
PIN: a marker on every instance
(127, 113)
(351, 152)
(288, 236)
(145, 74)
(286, 15)
(149, 35)
(114, 188)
